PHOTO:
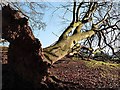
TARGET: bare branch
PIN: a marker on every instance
(105, 40)
(91, 10)
(74, 10)
(77, 12)
(103, 20)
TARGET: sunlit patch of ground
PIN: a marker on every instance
(88, 74)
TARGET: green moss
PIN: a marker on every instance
(104, 68)
(93, 63)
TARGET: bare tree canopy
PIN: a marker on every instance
(94, 25)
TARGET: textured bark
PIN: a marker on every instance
(25, 52)
(66, 43)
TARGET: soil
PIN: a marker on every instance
(70, 75)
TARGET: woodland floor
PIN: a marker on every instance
(73, 75)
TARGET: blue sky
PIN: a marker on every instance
(54, 27)
(54, 24)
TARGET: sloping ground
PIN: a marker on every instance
(71, 75)
(87, 74)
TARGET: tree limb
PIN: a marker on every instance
(77, 12)
(92, 8)
(74, 11)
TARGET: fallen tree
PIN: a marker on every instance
(69, 40)
(25, 54)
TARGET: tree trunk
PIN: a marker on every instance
(65, 43)
(25, 52)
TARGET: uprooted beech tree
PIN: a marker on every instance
(74, 33)
(25, 54)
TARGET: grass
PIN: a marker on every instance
(94, 63)
(105, 68)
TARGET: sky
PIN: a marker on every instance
(54, 27)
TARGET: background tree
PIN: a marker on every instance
(93, 24)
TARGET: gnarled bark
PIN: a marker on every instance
(25, 51)
(66, 43)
